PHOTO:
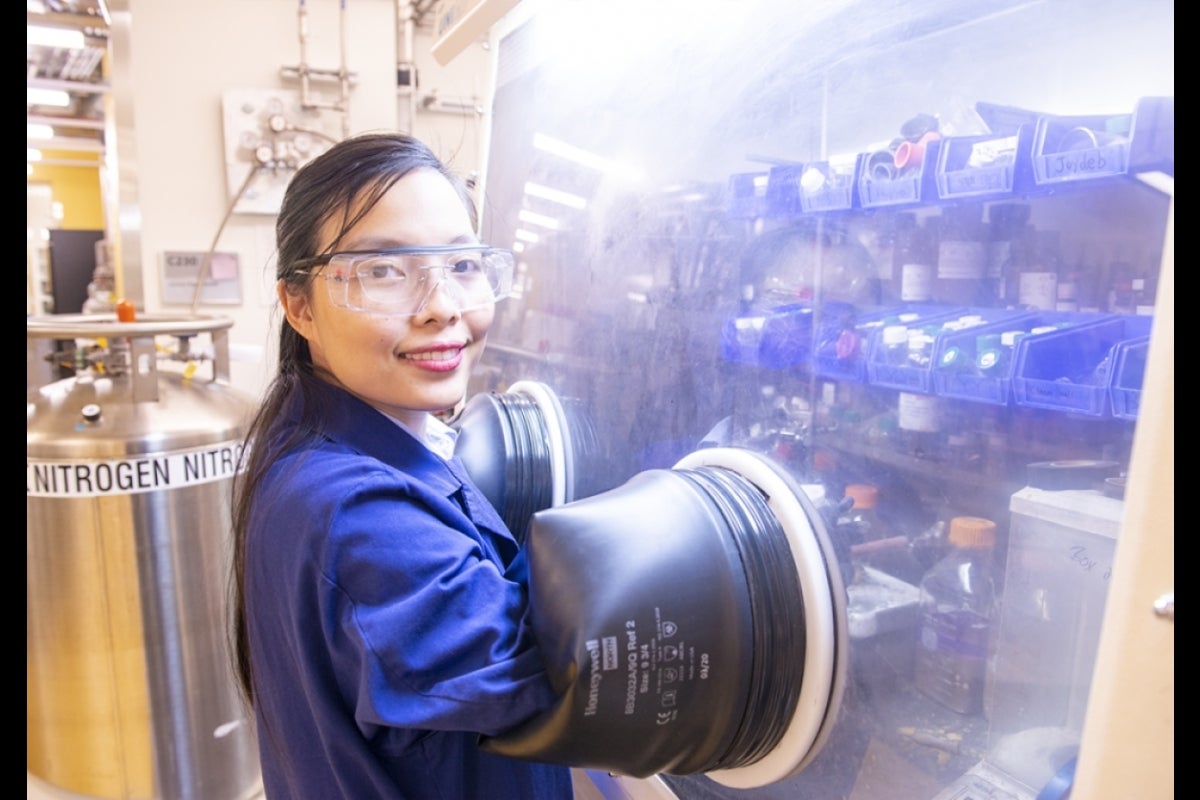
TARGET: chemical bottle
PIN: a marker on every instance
(918, 417)
(915, 253)
(956, 608)
(919, 346)
(883, 249)
(1089, 281)
(895, 345)
(1007, 223)
(1038, 283)
(1120, 283)
(1145, 287)
(880, 545)
(1068, 291)
(861, 515)
(961, 258)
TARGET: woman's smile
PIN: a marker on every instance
(444, 358)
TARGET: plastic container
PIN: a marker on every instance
(1129, 370)
(828, 185)
(844, 336)
(794, 189)
(881, 616)
(962, 368)
(882, 185)
(957, 603)
(914, 372)
(1071, 369)
(783, 190)
(985, 166)
(880, 546)
(747, 195)
(778, 337)
(1072, 148)
(863, 513)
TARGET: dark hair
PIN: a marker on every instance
(341, 184)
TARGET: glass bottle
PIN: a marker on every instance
(1087, 272)
(918, 417)
(1038, 287)
(1120, 283)
(957, 603)
(889, 246)
(916, 256)
(961, 258)
(895, 345)
(1145, 287)
(1007, 222)
(1068, 290)
(880, 546)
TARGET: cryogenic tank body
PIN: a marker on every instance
(129, 470)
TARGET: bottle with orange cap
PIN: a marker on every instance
(126, 311)
(957, 603)
(879, 544)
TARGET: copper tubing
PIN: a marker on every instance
(879, 545)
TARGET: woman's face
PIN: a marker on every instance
(403, 365)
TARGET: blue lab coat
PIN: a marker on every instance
(388, 623)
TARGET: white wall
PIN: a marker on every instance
(187, 55)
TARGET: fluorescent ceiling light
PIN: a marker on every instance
(47, 97)
(584, 158)
(555, 195)
(36, 131)
(33, 154)
(570, 152)
(526, 236)
(541, 220)
(54, 37)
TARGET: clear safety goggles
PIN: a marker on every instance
(400, 280)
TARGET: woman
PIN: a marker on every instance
(380, 615)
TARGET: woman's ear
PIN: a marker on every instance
(296, 308)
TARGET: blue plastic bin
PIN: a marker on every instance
(1071, 370)
(913, 185)
(1072, 148)
(783, 191)
(794, 189)
(844, 335)
(1128, 372)
(984, 166)
(883, 370)
(957, 371)
(828, 185)
(777, 338)
(747, 195)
